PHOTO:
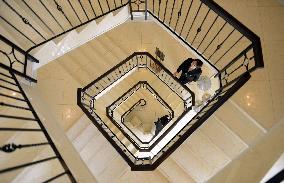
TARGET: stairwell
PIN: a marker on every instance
(210, 149)
(197, 160)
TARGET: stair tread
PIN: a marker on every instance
(92, 147)
(197, 169)
(223, 137)
(85, 136)
(101, 159)
(142, 177)
(247, 130)
(206, 150)
(78, 127)
(115, 169)
(174, 172)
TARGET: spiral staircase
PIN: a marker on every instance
(47, 137)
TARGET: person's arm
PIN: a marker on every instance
(176, 74)
(183, 65)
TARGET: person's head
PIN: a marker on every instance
(196, 63)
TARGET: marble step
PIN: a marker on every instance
(193, 166)
(74, 39)
(242, 125)
(142, 176)
(114, 170)
(173, 172)
(201, 146)
(223, 137)
(102, 159)
(117, 51)
(78, 127)
(92, 147)
(80, 141)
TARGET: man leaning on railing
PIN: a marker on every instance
(190, 70)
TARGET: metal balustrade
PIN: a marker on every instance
(215, 35)
(202, 25)
(135, 61)
(14, 59)
(140, 103)
(139, 143)
(21, 118)
(141, 151)
(33, 25)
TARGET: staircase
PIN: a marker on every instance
(53, 31)
(198, 159)
(27, 148)
(211, 148)
(205, 153)
(75, 39)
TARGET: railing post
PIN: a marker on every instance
(130, 9)
(27, 58)
(12, 147)
(146, 9)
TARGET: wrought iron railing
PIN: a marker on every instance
(135, 61)
(138, 6)
(13, 58)
(216, 36)
(139, 143)
(220, 40)
(86, 102)
(93, 91)
(22, 119)
(208, 108)
(34, 24)
(140, 103)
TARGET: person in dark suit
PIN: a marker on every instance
(190, 70)
(161, 123)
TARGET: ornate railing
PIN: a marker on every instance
(137, 153)
(208, 108)
(22, 119)
(34, 24)
(86, 102)
(138, 6)
(215, 35)
(135, 61)
(217, 38)
(139, 103)
(15, 59)
(139, 143)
